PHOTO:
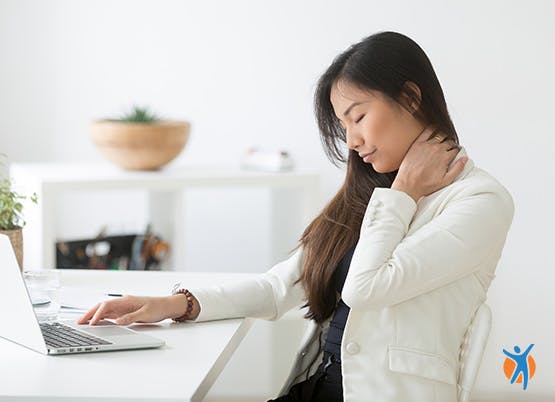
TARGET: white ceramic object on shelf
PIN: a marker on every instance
(268, 161)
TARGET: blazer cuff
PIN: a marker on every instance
(397, 202)
(212, 307)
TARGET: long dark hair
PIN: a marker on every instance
(382, 62)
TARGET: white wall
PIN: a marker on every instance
(243, 72)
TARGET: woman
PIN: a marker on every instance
(394, 267)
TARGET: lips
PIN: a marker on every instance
(364, 156)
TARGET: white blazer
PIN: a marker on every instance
(418, 274)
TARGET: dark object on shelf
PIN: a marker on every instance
(119, 252)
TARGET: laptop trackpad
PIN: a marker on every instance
(107, 331)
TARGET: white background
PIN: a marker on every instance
(244, 72)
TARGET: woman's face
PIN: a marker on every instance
(373, 124)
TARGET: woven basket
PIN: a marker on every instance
(16, 238)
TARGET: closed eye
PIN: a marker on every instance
(360, 118)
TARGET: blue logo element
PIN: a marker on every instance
(519, 363)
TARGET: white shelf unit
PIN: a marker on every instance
(166, 193)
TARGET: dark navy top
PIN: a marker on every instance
(337, 323)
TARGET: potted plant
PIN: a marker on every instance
(140, 140)
(11, 220)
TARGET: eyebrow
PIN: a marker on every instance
(346, 112)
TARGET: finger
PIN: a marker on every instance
(426, 134)
(450, 144)
(451, 148)
(455, 170)
(100, 313)
(87, 316)
(439, 138)
(130, 317)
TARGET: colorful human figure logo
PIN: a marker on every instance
(519, 367)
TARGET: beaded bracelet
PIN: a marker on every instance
(189, 297)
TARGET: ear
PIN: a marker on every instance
(411, 96)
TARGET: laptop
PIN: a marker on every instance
(20, 324)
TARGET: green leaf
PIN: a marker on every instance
(11, 206)
(139, 115)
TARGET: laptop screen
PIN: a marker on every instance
(19, 323)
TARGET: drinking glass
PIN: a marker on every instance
(44, 289)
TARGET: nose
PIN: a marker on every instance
(353, 140)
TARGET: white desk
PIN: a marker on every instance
(166, 191)
(182, 370)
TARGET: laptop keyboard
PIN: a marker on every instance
(59, 335)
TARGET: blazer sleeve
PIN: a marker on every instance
(268, 295)
(389, 267)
